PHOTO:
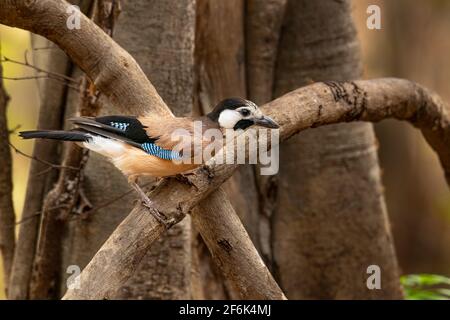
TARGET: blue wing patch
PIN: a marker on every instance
(120, 125)
(159, 152)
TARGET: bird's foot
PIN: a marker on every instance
(161, 218)
(146, 202)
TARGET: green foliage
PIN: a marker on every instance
(426, 287)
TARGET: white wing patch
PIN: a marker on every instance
(105, 146)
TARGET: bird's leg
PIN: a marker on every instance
(146, 202)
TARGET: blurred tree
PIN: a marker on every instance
(420, 201)
(330, 195)
(21, 112)
(413, 44)
(7, 214)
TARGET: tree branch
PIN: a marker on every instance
(239, 260)
(49, 74)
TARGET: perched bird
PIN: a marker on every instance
(145, 146)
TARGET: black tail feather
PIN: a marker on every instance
(56, 135)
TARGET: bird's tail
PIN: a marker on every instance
(72, 135)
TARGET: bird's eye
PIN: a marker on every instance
(245, 112)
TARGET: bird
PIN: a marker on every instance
(145, 145)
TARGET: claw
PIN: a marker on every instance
(146, 202)
(161, 218)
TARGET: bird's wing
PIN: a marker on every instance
(170, 133)
(127, 129)
(185, 133)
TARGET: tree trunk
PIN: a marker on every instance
(331, 221)
(53, 96)
(7, 215)
(416, 193)
(163, 48)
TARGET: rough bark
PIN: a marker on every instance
(7, 215)
(309, 107)
(330, 197)
(51, 110)
(239, 260)
(207, 280)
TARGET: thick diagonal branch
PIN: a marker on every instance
(249, 275)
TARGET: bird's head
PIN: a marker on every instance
(238, 113)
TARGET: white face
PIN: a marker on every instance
(229, 118)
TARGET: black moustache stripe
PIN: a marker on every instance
(243, 124)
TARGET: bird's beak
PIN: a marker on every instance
(267, 122)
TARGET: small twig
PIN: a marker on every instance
(68, 81)
(52, 165)
(36, 214)
(108, 203)
(89, 213)
(24, 220)
(50, 73)
(14, 130)
(43, 171)
(42, 77)
(45, 48)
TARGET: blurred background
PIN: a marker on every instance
(414, 43)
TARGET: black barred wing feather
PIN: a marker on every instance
(127, 129)
(155, 150)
